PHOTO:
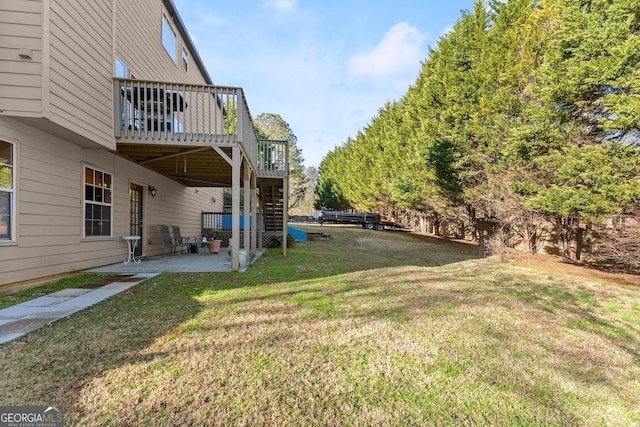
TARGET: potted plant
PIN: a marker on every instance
(214, 245)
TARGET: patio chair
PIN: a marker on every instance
(181, 244)
(166, 239)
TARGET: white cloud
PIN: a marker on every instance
(281, 5)
(399, 51)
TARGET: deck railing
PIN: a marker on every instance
(272, 158)
(172, 113)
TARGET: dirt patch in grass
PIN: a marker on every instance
(95, 284)
(555, 264)
(21, 325)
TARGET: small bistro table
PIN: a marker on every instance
(132, 242)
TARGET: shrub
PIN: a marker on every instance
(276, 241)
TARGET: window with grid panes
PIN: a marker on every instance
(7, 190)
(97, 203)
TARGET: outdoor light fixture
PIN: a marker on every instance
(153, 190)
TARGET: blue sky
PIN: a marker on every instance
(325, 66)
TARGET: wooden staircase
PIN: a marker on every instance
(271, 195)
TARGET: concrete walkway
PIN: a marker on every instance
(25, 317)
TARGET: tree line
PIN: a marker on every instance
(521, 126)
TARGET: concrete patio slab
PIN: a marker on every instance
(10, 336)
(25, 317)
(119, 285)
(45, 301)
(186, 263)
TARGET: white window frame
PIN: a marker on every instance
(185, 60)
(126, 106)
(122, 70)
(169, 39)
(11, 191)
(106, 189)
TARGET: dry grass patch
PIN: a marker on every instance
(412, 332)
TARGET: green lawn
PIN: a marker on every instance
(368, 328)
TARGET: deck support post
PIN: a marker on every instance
(236, 158)
(285, 214)
(246, 244)
(254, 215)
(260, 223)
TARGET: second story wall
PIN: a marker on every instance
(58, 59)
(139, 43)
(80, 68)
(20, 77)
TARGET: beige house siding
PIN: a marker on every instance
(49, 223)
(81, 68)
(20, 79)
(139, 44)
(57, 109)
(69, 78)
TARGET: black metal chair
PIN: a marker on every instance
(166, 239)
(181, 244)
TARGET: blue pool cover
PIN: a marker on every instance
(297, 234)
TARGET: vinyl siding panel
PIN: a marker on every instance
(50, 196)
(21, 92)
(20, 107)
(28, 29)
(20, 79)
(16, 42)
(26, 69)
(81, 68)
(139, 44)
(24, 6)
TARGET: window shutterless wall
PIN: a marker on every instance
(7, 191)
(149, 42)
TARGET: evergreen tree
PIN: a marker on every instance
(329, 192)
(586, 83)
(527, 110)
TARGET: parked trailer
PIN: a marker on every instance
(370, 221)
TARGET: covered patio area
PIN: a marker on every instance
(204, 136)
(186, 263)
